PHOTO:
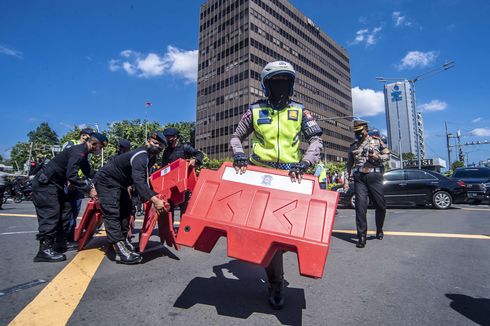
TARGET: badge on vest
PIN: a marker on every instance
(293, 115)
(264, 117)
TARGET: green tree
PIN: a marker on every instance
(43, 135)
(20, 154)
(186, 130)
(408, 156)
(70, 135)
(457, 164)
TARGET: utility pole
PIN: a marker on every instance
(448, 147)
(460, 148)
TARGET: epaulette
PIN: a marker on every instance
(297, 104)
(259, 104)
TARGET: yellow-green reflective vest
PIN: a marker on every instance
(323, 173)
(276, 134)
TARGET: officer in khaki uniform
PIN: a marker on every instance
(365, 166)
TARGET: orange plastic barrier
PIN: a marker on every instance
(91, 220)
(261, 212)
(171, 182)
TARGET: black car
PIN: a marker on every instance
(412, 187)
(477, 182)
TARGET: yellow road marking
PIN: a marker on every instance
(423, 234)
(55, 304)
(18, 215)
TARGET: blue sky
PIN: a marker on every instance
(100, 61)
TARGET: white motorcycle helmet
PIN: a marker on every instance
(276, 68)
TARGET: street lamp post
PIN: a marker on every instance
(412, 82)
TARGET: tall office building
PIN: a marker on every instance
(401, 117)
(237, 38)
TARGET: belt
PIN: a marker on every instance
(275, 165)
(367, 170)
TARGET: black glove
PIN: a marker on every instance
(240, 162)
(297, 170)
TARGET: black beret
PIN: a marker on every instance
(86, 131)
(124, 143)
(100, 137)
(170, 132)
(157, 135)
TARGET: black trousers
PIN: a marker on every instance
(2, 190)
(75, 198)
(116, 207)
(53, 209)
(369, 185)
(182, 206)
(275, 269)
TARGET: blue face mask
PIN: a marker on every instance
(359, 136)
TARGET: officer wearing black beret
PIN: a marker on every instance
(112, 181)
(365, 166)
(53, 205)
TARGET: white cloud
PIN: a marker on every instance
(182, 62)
(476, 120)
(481, 132)
(384, 132)
(114, 65)
(434, 105)
(415, 59)
(367, 102)
(366, 36)
(10, 51)
(175, 62)
(400, 20)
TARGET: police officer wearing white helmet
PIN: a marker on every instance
(277, 123)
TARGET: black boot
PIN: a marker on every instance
(124, 255)
(276, 295)
(131, 246)
(379, 234)
(65, 245)
(361, 242)
(46, 252)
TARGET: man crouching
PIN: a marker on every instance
(112, 182)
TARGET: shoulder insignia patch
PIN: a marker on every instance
(293, 115)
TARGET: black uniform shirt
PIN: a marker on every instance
(130, 168)
(181, 151)
(64, 166)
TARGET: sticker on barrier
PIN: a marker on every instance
(261, 212)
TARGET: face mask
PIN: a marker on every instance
(154, 150)
(279, 90)
(359, 136)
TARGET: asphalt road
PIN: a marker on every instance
(415, 277)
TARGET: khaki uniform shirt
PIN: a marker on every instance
(359, 154)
